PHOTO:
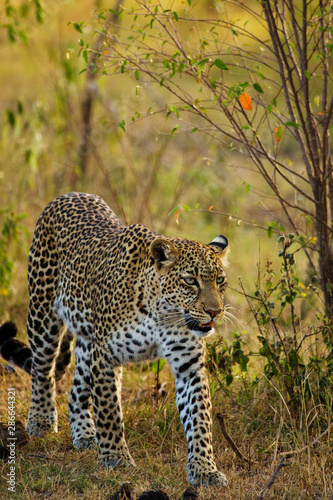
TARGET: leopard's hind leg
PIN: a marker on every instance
(45, 333)
(64, 356)
(79, 401)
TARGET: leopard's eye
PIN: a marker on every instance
(220, 280)
(190, 281)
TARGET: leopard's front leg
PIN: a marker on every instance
(194, 406)
(105, 391)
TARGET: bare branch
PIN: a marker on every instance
(235, 448)
(315, 441)
(297, 50)
(272, 479)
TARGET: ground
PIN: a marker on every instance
(49, 467)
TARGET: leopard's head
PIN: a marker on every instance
(192, 281)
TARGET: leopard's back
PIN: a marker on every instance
(73, 235)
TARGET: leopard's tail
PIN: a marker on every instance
(17, 353)
(13, 350)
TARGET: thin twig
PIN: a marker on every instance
(235, 448)
(318, 438)
(272, 479)
(33, 455)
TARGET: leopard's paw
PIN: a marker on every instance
(116, 459)
(205, 474)
(85, 443)
(38, 424)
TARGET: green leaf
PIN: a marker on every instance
(243, 361)
(9, 10)
(121, 125)
(220, 64)
(11, 33)
(189, 2)
(20, 107)
(77, 27)
(200, 65)
(11, 117)
(307, 74)
(202, 62)
(23, 37)
(174, 130)
(39, 12)
(137, 74)
(175, 15)
(257, 87)
(292, 124)
(278, 133)
(174, 210)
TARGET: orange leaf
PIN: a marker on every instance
(246, 101)
(211, 208)
(278, 133)
(177, 212)
(106, 52)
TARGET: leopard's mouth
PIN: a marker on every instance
(194, 325)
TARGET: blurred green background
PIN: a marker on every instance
(142, 173)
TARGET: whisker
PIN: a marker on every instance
(166, 321)
(231, 318)
(171, 314)
(227, 307)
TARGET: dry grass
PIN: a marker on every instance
(51, 468)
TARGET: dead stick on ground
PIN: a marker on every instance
(220, 418)
(272, 479)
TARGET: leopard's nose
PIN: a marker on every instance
(213, 312)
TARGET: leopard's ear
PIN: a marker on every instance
(164, 253)
(221, 246)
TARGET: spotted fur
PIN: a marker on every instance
(127, 294)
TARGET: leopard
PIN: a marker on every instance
(125, 294)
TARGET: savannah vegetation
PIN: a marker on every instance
(195, 119)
